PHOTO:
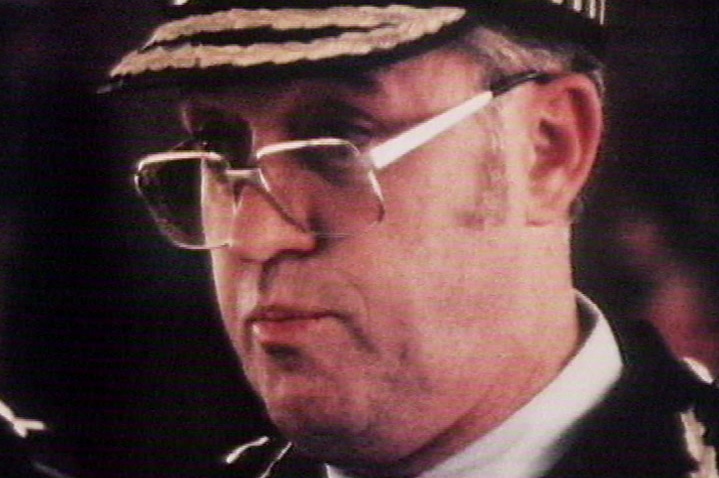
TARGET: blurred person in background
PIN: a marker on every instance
(649, 243)
(666, 231)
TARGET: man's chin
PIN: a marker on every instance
(325, 438)
(349, 453)
(355, 457)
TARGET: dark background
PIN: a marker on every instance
(111, 336)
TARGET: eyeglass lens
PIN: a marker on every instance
(327, 189)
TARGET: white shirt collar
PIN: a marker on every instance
(530, 441)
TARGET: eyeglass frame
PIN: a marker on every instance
(379, 157)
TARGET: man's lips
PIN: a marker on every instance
(284, 314)
(275, 326)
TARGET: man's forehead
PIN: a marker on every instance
(417, 75)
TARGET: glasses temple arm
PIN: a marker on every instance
(393, 149)
(509, 82)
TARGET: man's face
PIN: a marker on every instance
(369, 348)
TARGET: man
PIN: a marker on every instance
(387, 192)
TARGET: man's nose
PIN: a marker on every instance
(260, 231)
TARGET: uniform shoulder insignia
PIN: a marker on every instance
(257, 458)
(701, 424)
(20, 426)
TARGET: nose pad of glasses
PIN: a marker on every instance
(261, 229)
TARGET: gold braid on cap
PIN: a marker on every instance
(369, 29)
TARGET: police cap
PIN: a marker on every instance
(216, 40)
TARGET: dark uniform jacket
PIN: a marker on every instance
(659, 421)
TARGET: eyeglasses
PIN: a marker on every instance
(323, 186)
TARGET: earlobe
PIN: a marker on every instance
(566, 138)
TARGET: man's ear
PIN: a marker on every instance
(566, 137)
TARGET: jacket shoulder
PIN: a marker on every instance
(661, 419)
(700, 422)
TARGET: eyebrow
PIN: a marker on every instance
(364, 81)
(335, 107)
(194, 114)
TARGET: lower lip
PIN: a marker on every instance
(286, 331)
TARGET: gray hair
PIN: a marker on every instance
(501, 53)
